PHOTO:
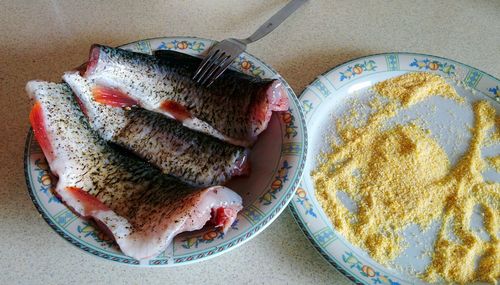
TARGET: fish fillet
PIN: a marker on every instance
(191, 156)
(236, 108)
(140, 207)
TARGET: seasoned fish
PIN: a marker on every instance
(140, 207)
(191, 156)
(236, 108)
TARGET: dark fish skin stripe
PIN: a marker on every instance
(128, 186)
(225, 105)
(193, 157)
(205, 161)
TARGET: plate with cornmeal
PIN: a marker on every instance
(402, 184)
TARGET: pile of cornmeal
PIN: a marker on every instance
(400, 176)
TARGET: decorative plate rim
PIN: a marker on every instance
(388, 53)
(297, 216)
(237, 240)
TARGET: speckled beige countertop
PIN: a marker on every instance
(41, 39)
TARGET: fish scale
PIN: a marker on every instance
(142, 208)
(236, 108)
(193, 157)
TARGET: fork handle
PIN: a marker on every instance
(274, 21)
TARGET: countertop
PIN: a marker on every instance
(41, 39)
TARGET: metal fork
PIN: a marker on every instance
(224, 53)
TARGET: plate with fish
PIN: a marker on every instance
(402, 178)
(131, 161)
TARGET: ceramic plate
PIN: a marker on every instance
(327, 97)
(277, 162)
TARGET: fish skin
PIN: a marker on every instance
(236, 108)
(191, 156)
(142, 208)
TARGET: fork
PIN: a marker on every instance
(224, 53)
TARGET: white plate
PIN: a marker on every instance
(326, 98)
(277, 162)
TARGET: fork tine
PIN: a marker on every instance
(215, 65)
(204, 65)
(221, 69)
(207, 78)
(208, 69)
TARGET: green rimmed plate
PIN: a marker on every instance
(327, 97)
(277, 162)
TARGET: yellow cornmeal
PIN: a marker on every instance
(400, 176)
(411, 88)
(495, 162)
(495, 137)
